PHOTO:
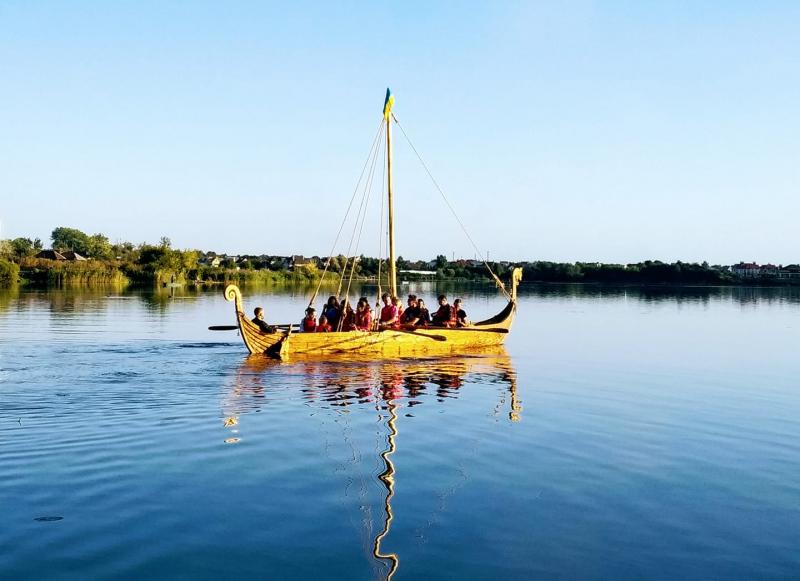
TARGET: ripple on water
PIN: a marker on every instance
(598, 449)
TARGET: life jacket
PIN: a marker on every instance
(349, 323)
(388, 313)
(323, 328)
(446, 316)
(364, 320)
(309, 325)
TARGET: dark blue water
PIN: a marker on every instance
(622, 434)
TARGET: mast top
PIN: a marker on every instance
(387, 104)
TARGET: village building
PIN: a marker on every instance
(50, 255)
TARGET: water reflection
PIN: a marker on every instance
(384, 386)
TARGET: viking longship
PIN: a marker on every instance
(288, 340)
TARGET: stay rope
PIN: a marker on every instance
(363, 217)
(499, 282)
(378, 133)
(361, 208)
(383, 235)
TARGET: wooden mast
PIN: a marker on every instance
(387, 113)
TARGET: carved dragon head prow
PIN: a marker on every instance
(233, 294)
(516, 277)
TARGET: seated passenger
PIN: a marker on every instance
(424, 316)
(445, 316)
(399, 304)
(410, 316)
(388, 312)
(324, 326)
(309, 324)
(349, 321)
(363, 315)
(332, 310)
(461, 315)
(262, 324)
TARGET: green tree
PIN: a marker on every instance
(70, 239)
(100, 248)
(9, 273)
(22, 247)
(441, 261)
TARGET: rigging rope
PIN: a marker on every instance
(382, 233)
(364, 197)
(452, 210)
(378, 133)
(363, 217)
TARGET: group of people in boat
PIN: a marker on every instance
(340, 316)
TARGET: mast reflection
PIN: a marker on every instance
(382, 385)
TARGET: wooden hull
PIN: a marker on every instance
(387, 343)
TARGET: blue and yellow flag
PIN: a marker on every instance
(387, 105)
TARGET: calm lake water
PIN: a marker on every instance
(622, 434)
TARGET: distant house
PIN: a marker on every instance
(768, 270)
(73, 256)
(212, 261)
(789, 271)
(746, 270)
(300, 260)
(50, 255)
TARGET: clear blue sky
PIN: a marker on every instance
(612, 131)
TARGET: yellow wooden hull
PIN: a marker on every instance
(386, 343)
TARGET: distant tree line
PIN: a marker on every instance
(160, 263)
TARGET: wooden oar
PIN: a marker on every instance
(235, 327)
(434, 337)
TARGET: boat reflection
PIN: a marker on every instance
(382, 385)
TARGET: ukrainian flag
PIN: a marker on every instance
(387, 105)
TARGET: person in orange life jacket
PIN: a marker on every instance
(309, 324)
(262, 324)
(324, 326)
(363, 315)
(461, 315)
(445, 316)
(388, 312)
(349, 320)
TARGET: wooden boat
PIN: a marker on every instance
(286, 341)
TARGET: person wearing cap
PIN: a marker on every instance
(309, 324)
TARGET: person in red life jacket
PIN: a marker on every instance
(461, 315)
(388, 312)
(445, 316)
(309, 324)
(363, 315)
(324, 326)
(349, 320)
